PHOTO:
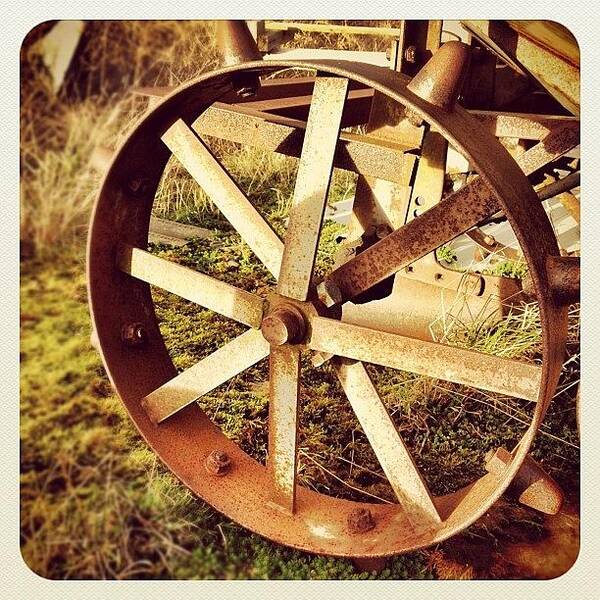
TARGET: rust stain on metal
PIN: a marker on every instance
(564, 278)
(468, 367)
(460, 211)
(284, 372)
(284, 325)
(439, 82)
(204, 167)
(394, 457)
(206, 291)
(359, 153)
(217, 368)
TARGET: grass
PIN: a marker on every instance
(97, 504)
(95, 501)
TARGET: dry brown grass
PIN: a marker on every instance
(60, 132)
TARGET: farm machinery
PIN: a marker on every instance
(447, 141)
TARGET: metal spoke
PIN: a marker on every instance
(443, 222)
(393, 455)
(312, 186)
(223, 364)
(206, 291)
(284, 371)
(520, 125)
(467, 367)
(204, 167)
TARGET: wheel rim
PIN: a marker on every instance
(318, 523)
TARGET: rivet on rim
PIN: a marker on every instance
(218, 463)
(360, 520)
(134, 334)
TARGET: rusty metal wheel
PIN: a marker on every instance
(300, 316)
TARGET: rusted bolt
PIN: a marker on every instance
(134, 334)
(218, 463)
(490, 240)
(284, 325)
(329, 293)
(138, 185)
(410, 54)
(360, 520)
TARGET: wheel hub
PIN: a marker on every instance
(284, 325)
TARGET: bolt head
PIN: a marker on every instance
(410, 54)
(218, 463)
(285, 325)
(134, 334)
(360, 520)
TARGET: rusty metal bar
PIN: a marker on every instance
(443, 222)
(356, 110)
(270, 89)
(519, 125)
(312, 186)
(332, 28)
(217, 368)
(393, 455)
(359, 153)
(204, 167)
(558, 187)
(454, 215)
(284, 372)
(206, 291)
(553, 68)
(467, 367)
(560, 140)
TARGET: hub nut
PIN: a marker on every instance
(134, 334)
(285, 325)
(360, 520)
(218, 463)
